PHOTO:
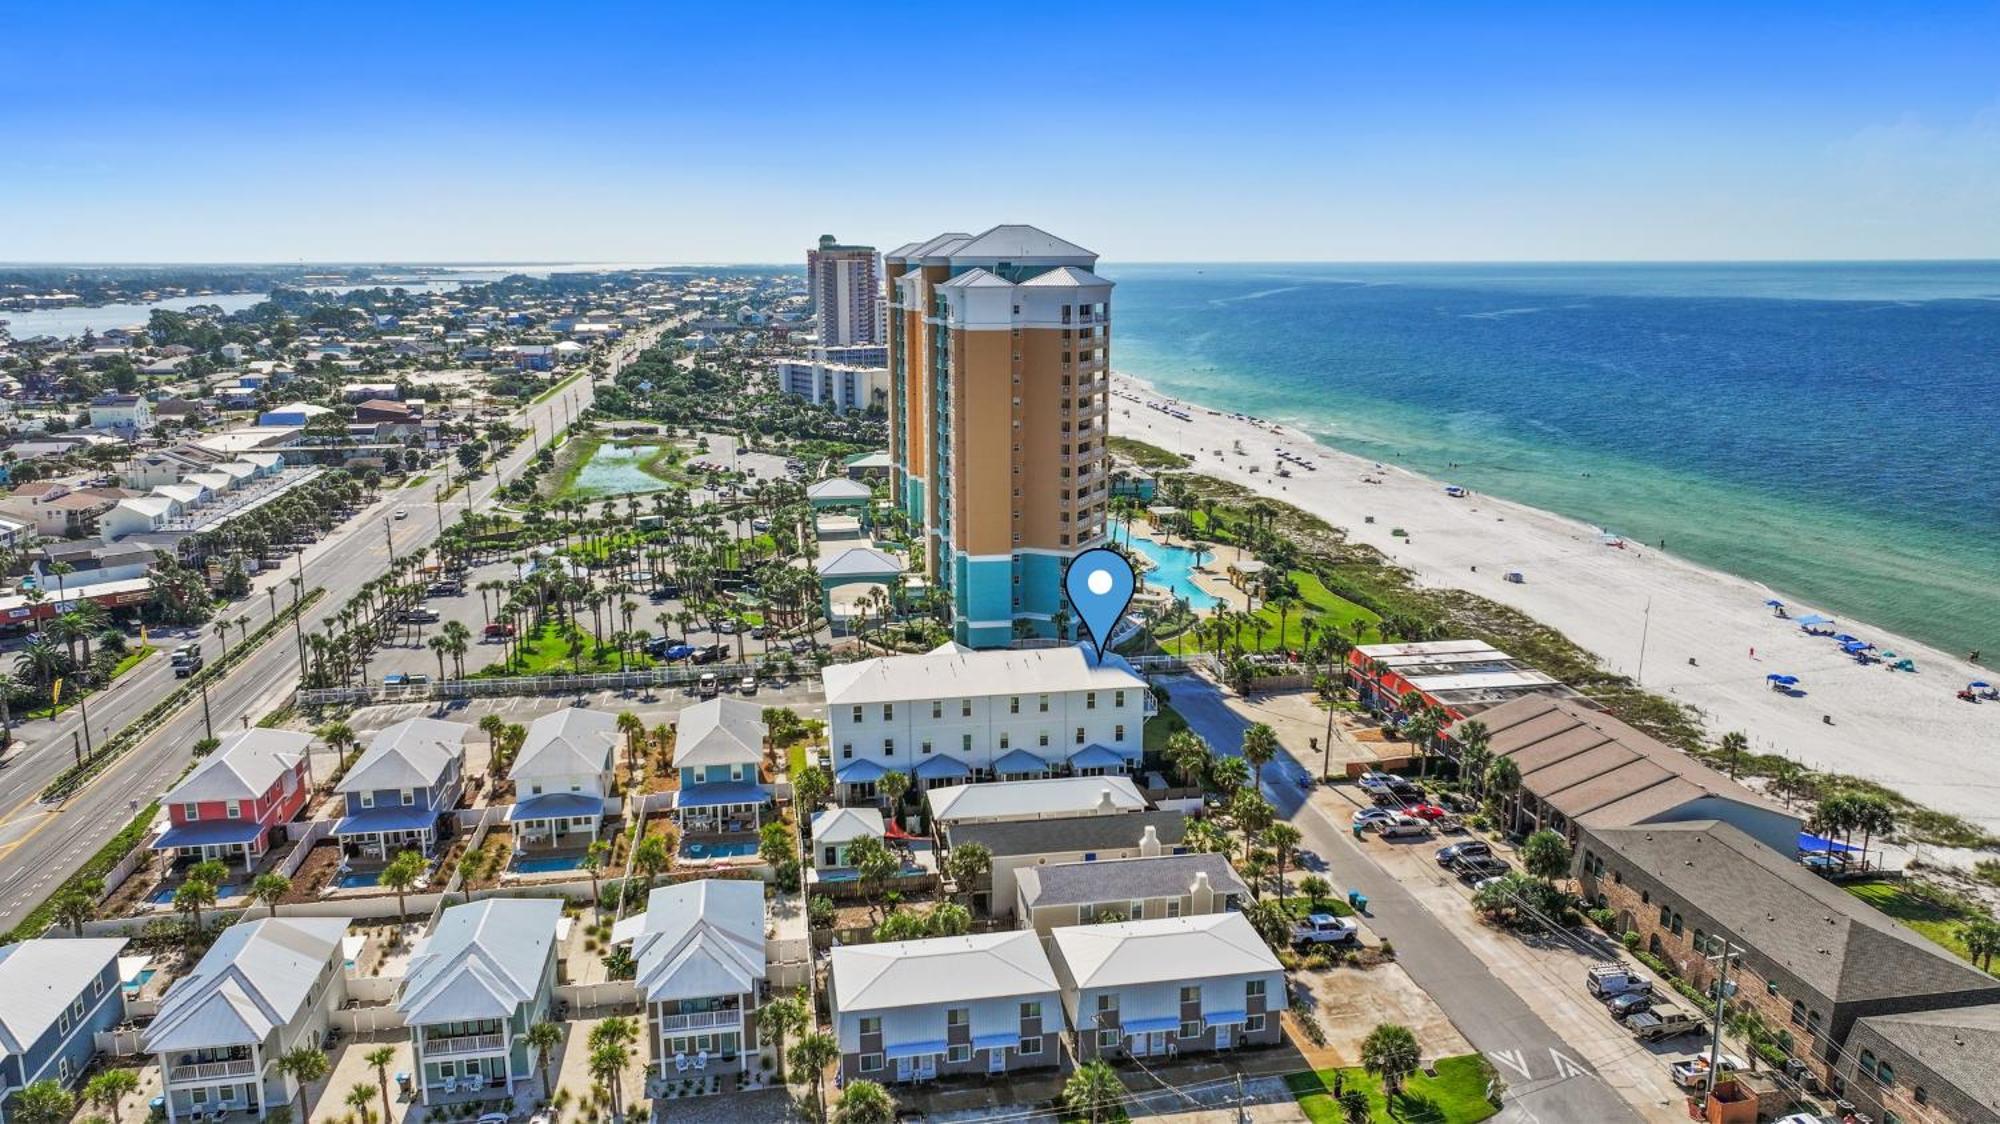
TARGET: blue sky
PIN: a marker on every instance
(738, 132)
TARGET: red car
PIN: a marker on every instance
(1426, 811)
(499, 630)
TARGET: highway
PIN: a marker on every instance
(41, 845)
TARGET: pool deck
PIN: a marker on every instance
(1208, 578)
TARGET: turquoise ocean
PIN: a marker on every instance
(1829, 429)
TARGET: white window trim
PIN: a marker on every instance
(871, 1063)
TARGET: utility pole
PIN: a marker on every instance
(389, 536)
(83, 711)
(1721, 960)
(207, 724)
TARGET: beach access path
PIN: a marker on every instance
(1908, 732)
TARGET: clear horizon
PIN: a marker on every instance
(1561, 132)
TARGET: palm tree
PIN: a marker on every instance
(110, 1087)
(1093, 1091)
(305, 1065)
(813, 1053)
(607, 1067)
(1734, 745)
(864, 1102)
(1503, 782)
(43, 1102)
(270, 889)
(634, 729)
(1390, 1052)
(652, 856)
(1283, 840)
(543, 1038)
(193, 896)
(401, 876)
(74, 908)
(780, 1019)
(1474, 743)
(1252, 814)
(594, 859)
(359, 1098)
(1981, 938)
(380, 1057)
(1545, 855)
(1189, 756)
(1260, 746)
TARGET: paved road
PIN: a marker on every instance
(40, 846)
(1546, 1079)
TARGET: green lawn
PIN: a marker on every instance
(1328, 608)
(1938, 922)
(795, 757)
(1161, 726)
(1299, 906)
(1457, 1095)
(547, 652)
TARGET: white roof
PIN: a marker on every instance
(1066, 277)
(411, 754)
(845, 825)
(304, 408)
(1054, 798)
(977, 279)
(40, 978)
(148, 506)
(948, 673)
(839, 488)
(698, 939)
(566, 743)
(1165, 948)
(485, 959)
(863, 560)
(243, 767)
(1012, 241)
(182, 493)
(253, 979)
(940, 970)
(213, 481)
(720, 731)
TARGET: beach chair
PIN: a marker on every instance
(476, 1082)
(451, 1085)
(680, 1063)
(701, 1060)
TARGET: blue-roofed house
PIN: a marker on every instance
(55, 995)
(472, 990)
(562, 776)
(718, 750)
(262, 990)
(404, 786)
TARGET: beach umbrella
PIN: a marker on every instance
(1856, 646)
(1786, 680)
(1846, 639)
(1812, 619)
(1979, 685)
(1888, 655)
(1775, 603)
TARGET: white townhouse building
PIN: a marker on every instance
(702, 960)
(562, 777)
(472, 990)
(955, 715)
(918, 1010)
(1168, 986)
(262, 990)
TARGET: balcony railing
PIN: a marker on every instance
(213, 1071)
(465, 1044)
(700, 1020)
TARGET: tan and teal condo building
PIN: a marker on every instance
(999, 375)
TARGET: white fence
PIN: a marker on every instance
(676, 675)
(369, 1018)
(599, 998)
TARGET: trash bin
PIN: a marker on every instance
(1357, 831)
(1358, 900)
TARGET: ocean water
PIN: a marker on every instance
(1831, 430)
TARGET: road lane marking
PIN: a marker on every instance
(1512, 1059)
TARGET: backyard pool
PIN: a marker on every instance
(543, 864)
(700, 849)
(137, 983)
(1173, 571)
(165, 894)
(356, 879)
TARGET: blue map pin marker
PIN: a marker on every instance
(1099, 584)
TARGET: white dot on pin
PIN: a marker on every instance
(1099, 582)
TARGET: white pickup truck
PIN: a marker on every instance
(1324, 928)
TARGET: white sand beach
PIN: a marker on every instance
(1907, 731)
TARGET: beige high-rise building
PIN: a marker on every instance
(999, 373)
(846, 288)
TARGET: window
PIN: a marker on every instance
(1045, 704)
(965, 708)
(1079, 735)
(1190, 993)
(1173, 907)
(1136, 911)
(959, 1053)
(367, 800)
(957, 1016)
(190, 812)
(62, 1022)
(97, 987)
(1118, 732)
(76, 1007)
(1666, 917)
(1885, 1073)
(1106, 1003)
(1253, 989)
(1031, 1010)
(1014, 704)
(1090, 700)
(888, 712)
(847, 751)
(965, 742)
(1043, 739)
(888, 747)
(1006, 740)
(1029, 1046)
(871, 1024)
(62, 1069)
(1107, 1039)
(1798, 1012)
(1191, 1028)
(1253, 1024)
(1117, 698)
(1700, 941)
(1868, 1062)
(235, 810)
(857, 714)
(1921, 1095)
(871, 1063)
(1677, 924)
(410, 795)
(1812, 1023)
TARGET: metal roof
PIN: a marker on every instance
(844, 825)
(1054, 797)
(940, 970)
(253, 979)
(1160, 876)
(413, 753)
(243, 767)
(720, 731)
(698, 939)
(485, 959)
(956, 673)
(1163, 949)
(566, 743)
(40, 978)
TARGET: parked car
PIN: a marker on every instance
(709, 687)
(1324, 928)
(1660, 1023)
(1404, 827)
(1692, 1073)
(1425, 811)
(402, 513)
(418, 615)
(760, 524)
(499, 630)
(1372, 781)
(1630, 1003)
(1470, 849)
(1608, 980)
(1369, 817)
(399, 679)
(802, 645)
(1473, 871)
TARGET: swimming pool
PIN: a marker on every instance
(356, 879)
(1173, 571)
(699, 849)
(137, 983)
(165, 894)
(542, 864)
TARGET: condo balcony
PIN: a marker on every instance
(215, 1069)
(464, 1044)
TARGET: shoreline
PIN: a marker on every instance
(1905, 731)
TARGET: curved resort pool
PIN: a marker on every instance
(1173, 570)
